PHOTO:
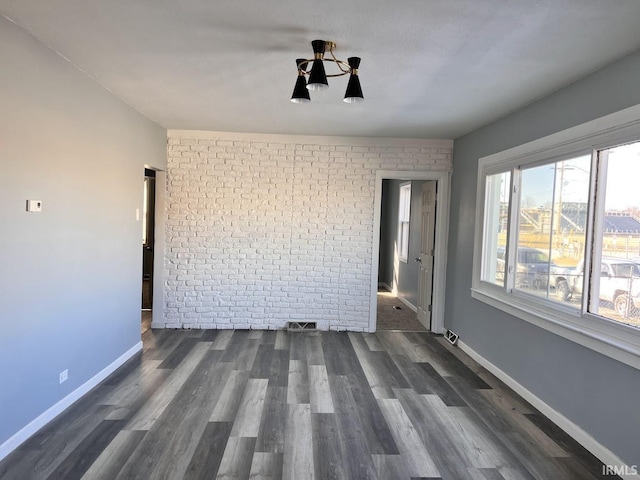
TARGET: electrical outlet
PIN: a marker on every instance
(64, 375)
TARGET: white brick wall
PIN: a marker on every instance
(266, 229)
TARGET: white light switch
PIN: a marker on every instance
(34, 206)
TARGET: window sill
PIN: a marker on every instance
(614, 340)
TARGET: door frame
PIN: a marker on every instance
(157, 302)
(150, 202)
(443, 180)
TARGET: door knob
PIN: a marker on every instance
(418, 259)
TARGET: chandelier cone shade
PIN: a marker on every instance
(354, 90)
(318, 76)
(300, 92)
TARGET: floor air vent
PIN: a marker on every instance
(301, 326)
(451, 337)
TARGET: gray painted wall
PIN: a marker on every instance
(408, 273)
(597, 393)
(70, 282)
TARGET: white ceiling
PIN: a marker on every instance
(430, 68)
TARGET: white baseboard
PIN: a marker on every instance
(605, 455)
(52, 412)
(385, 286)
(407, 303)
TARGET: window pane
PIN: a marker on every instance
(617, 287)
(404, 214)
(495, 224)
(552, 225)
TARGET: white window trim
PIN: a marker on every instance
(607, 337)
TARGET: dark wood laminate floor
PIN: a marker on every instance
(253, 404)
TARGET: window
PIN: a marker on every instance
(551, 225)
(404, 216)
(496, 218)
(558, 236)
(549, 232)
(615, 293)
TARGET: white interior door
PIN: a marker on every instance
(427, 243)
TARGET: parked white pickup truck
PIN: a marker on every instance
(619, 283)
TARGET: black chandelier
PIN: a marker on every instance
(318, 76)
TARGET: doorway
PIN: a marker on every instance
(418, 258)
(400, 246)
(148, 246)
